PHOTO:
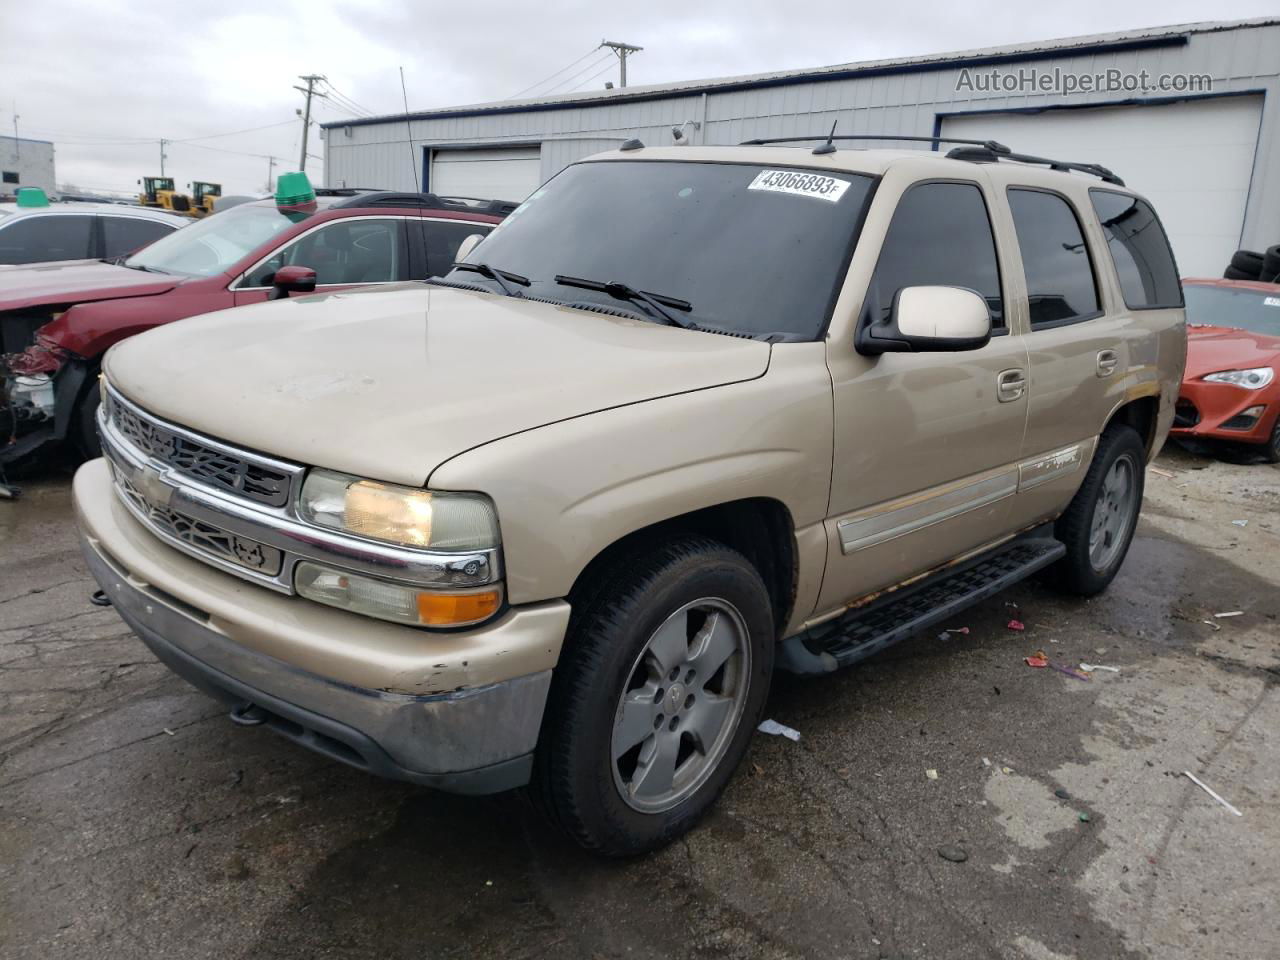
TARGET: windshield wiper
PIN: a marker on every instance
(137, 266)
(500, 277)
(656, 302)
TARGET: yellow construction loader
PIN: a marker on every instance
(159, 192)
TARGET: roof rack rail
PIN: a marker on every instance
(345, 191)
(982, 155)
(991, 145)
(430, 201)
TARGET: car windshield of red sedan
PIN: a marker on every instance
(215, 244)
(1251, 310)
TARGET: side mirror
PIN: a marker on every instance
(928, 319)
(289, 280)
(468, 244)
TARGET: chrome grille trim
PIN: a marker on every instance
(228, 547)
(257, 478)
(159, 485)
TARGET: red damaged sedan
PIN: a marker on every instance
(57, 319)
(1231, 390)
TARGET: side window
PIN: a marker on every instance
(10, 176)
(1060, 283)
(122, 235)
(443, 240)
(940, 236)
(36, 239)
(344, 251)
(1140, 249)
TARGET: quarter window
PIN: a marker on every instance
(1055, 259)
(1144, 263)
(940, 236)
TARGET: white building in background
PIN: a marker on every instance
(1187, 115)
(25, 163)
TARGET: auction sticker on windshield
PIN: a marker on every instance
(800, 184)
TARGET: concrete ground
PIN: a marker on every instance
(135, 821)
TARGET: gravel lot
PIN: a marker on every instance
(135, 821)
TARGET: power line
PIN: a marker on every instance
(556, 74)
(601, 73)
(360, 108)
(594, 65)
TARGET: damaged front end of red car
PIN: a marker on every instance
(38, 389)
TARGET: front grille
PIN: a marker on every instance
(201, 462)
(1185, 414)
(204, 537)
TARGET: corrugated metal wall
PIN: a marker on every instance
(910, 102)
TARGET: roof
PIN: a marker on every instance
(83, 207)
(1149, 38)
(852, 159)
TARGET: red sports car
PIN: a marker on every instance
(1231, 390)
(57, 319)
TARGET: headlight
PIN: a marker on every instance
(405, 515)
(1253, 379)
(398, 602)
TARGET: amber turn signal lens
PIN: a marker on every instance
(457, 609)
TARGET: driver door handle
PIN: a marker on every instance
(1107, 360)
(1011, 384)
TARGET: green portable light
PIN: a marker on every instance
(294, 190)
(32, 197)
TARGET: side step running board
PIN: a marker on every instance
(902, 614)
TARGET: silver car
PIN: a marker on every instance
(79, 231)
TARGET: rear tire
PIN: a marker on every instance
(1097, 527)
(645, 724)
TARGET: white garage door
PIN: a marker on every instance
(499, 174)
(1192, 160)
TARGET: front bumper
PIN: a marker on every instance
(1216, 411)
(472, 729)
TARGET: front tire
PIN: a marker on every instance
(1098, 526)
(662, 682)
(1271, 449)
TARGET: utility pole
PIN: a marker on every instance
(17, 144)
(311, 79)
(163, 156)
(271, 168)
(622, 50)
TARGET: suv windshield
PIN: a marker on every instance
(217, 243)
(1226, 307)
(751, 248)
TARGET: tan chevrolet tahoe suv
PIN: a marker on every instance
(689, 415)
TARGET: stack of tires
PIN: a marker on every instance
(1248, 265)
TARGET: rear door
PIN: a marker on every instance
(38, 239)
(926, 444)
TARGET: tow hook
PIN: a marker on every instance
(99, 598)
(248, 714)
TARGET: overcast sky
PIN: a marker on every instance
(100, 79)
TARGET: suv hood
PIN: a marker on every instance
(1211, 349)
(390, 382)
(77, 281)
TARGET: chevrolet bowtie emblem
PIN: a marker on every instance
(153, 489)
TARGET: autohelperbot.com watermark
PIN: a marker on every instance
(1059, 81)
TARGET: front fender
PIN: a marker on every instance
(568, 490)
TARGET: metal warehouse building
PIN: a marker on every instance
(25, 163)
(1188, 115)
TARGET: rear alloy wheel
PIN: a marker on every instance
(1097, 527)
(661, 683)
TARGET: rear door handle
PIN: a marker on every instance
(1107, 360)
(1011, 384)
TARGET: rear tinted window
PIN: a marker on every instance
(37, 239)
(1055, 259)
(940, 236)
(1140, 249)
(121, 235)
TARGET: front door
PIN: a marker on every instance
(926, 444)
